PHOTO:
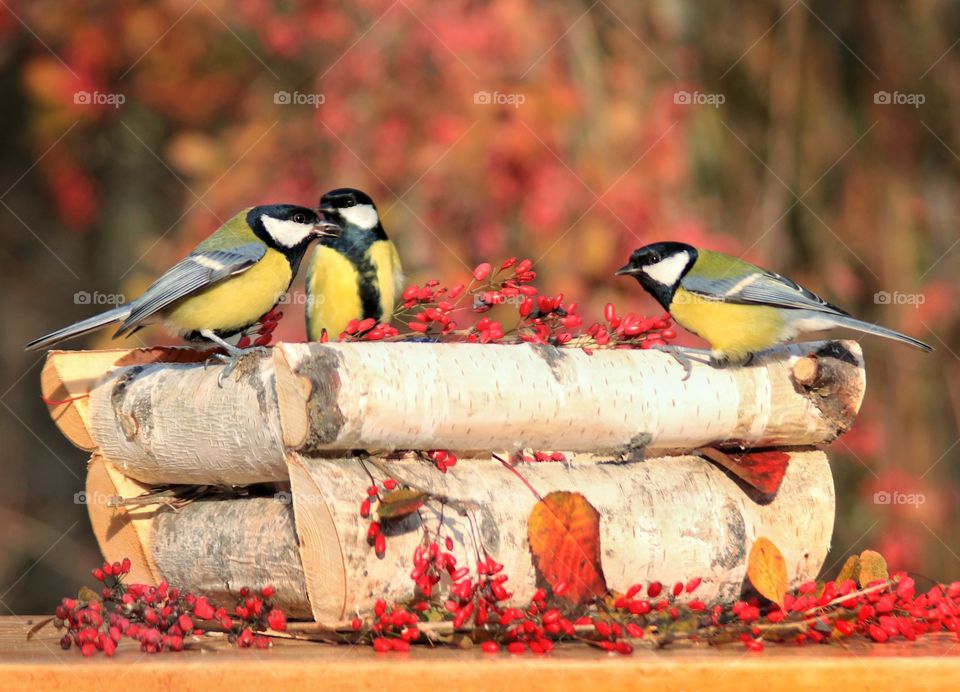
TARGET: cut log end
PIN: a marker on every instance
(833, 379)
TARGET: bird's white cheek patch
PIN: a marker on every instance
(362, 215)
(668, 270)
(287, 233)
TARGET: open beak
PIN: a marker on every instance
(626, 270)
(326, 229)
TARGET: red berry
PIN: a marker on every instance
(277, 620)
(482, 271)
(877, 633)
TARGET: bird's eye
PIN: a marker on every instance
(299, 218)
(350, 203)
(654, 258)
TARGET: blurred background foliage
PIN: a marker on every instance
(799, 169)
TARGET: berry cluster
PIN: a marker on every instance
(375, 535)
(441, 458)
(454, 314)
(261, 334)
(475, 607)
(158, 617)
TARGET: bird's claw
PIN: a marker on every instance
(233, 359)
(682, 356)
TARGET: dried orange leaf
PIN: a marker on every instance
(872, 567)
(767, 570)
(564, 533)
(400, 503)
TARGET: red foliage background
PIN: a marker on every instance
(587, 151)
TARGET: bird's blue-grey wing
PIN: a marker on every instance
(195, 272)
(759, 288)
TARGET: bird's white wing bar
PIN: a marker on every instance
(194, 272)
(760, 288)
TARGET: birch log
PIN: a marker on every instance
(217, 547)
(211, 547)
(174, 424)
(669, 518)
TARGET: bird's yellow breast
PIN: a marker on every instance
(732, 329)
(333, 285)
(333, 289)
(237, 301)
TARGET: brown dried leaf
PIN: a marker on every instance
(767, 570)
(39, 626)
(400, 503)
(872, 568)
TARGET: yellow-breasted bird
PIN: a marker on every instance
(356, 275)
(737, 307)
(225, 285)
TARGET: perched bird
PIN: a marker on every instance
(355, 275)
(225, 285)
(737, 307)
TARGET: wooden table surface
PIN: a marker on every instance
(930, 664)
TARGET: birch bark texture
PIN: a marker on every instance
(669, 518)
(174, 423)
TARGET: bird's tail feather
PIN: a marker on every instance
(869, 328)
(82, 327)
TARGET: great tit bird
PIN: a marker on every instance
(225, 285)
(355, 275)
(737, 307)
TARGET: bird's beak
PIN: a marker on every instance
(326, 229)
(626, 270)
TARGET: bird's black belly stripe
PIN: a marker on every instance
(369, 289)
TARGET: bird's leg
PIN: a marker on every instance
(233, 355)
(683, 357)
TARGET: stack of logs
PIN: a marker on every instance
(270, 461)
